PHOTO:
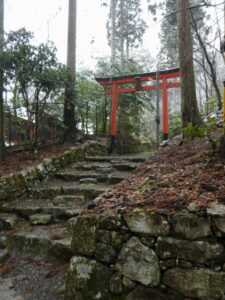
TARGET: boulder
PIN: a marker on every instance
(217, 213)
(111, 222)
(84, 239)
(60, 250)
(153, 224)
(191, 227)
(86, 279)
(194, 251)
(8, 221)
(71, 224)
(3, 242)
(220, 223)
(128, 284)
(138, 263)
(4, 255)
(144, 293)
(116, 284)
(216, 210)
(105, 253)
(196, 283)
(104, 236)
(117, 239)
(193, 207)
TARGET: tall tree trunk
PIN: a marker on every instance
(189, 108)
(14, 98)
(37, 119)
(127, 31)
(2, 139)
(69, 106)
(113, 34)
(122, 35)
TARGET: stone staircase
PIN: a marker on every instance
(41, 223)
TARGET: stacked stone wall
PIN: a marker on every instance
(17, 184)
(143, 256)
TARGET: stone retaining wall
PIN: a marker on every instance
(148, 256)
(17, 184)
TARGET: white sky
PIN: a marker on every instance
(48, 20)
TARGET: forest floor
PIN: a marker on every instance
(22, 160)
(173, 178)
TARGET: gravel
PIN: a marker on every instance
(31, 279)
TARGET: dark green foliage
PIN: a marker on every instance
(207, 130)
(34, 75)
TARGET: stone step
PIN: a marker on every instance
(88, 166)
(130, 158)
(68, 200)
(88, 191)
(124, 166)
(109, 177)
(63, 212)
(75, 175)
(88, 180)
(72, 206)
(41, 219)
(42, 241)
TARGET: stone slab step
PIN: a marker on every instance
(41, 219)
(42, 242)
(88, 166)
(88, 180)
(124, 166)
(130, 158)
(56, 211)
(88, 191)
(109, 177)
(68, 200)
(63, 212)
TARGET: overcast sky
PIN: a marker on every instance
(48, 20)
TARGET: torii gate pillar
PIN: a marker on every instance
(113, 118)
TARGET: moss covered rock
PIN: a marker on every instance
(144, 293)
(87, 279)
(196, 283)
(191, 227)
(85, 234)
(148, 223)
(138, 263)
(201, 252)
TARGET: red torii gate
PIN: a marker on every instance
(137, 79)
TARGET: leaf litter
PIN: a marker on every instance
(171, 179)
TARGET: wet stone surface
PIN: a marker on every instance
(43, 230)
(31, 279)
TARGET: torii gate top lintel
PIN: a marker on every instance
(137, 79)
(143, 76)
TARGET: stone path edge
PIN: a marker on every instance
(17, 184)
